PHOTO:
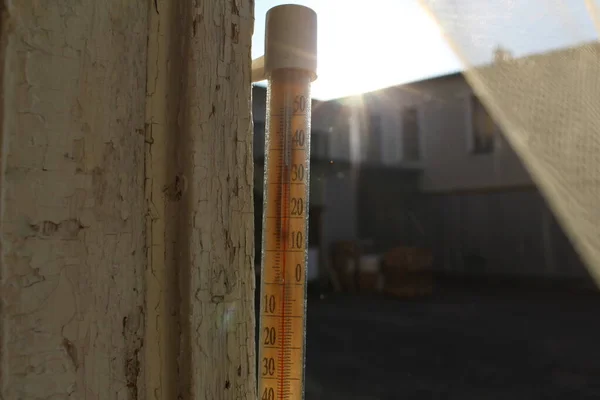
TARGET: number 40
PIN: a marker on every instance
(268, 394)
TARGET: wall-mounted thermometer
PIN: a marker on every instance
(289, 65)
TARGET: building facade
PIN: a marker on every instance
(424, 164)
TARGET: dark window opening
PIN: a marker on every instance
(483, 128)
(410, 135)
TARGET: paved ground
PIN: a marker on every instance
(454, 346)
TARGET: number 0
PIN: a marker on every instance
(298, 272)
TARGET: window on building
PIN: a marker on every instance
(483, 128)
(374, 144)
(411, 150)
(319, 144)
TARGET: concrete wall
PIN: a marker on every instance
(329, 127)
(352, 136)
(513, 232)
(443, 107)
(506, 232)
(448, 163)
(388, 203)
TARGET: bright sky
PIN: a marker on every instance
(365, 45)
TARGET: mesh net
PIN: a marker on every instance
(547, 103)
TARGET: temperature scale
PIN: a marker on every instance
(289, 65)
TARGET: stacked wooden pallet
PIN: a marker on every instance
(407, 272)
(345, 259)
(369, 273)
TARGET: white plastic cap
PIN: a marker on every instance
(291, 39)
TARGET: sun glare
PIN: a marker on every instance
(364, 46)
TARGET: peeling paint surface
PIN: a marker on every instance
(219, 198)
(71, 229)
(199, 171)
(126, 191)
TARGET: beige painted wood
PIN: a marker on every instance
(162, 287)
(72, 226)
(216, 167)
(126, 208)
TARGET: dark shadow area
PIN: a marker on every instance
(487, 341)
(458, 344)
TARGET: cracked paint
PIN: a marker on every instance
(127, 229)
(200, 244)
(71, 186)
